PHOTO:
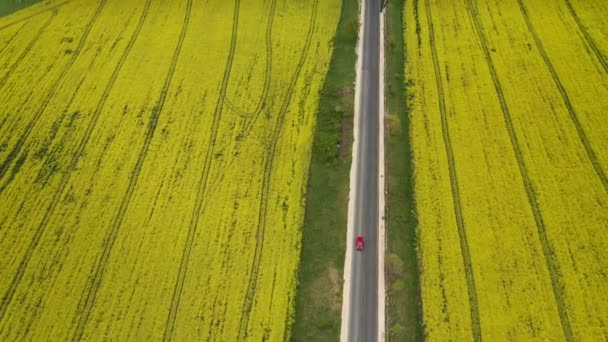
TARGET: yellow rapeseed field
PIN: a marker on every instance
(153, 164)
(508, 106)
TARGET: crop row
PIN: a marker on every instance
(510, 167)
(152, 181)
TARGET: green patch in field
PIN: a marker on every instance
(404, 307)
(9, 6)
(319, 295)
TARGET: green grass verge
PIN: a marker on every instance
(318, 306)
(9, 6)
(404, 306)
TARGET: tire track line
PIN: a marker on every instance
(217, 115)
(8, 296)
(10, 40)
(598, 54)
(90, 295)
(548, 253)
(2, 123)
(462, 235)
(54, 88)
(64, 139)
(268, 73)
(251, 118)
(28, 48)
(248, 303)
(558, 83)
(52, 8)
(245, 115)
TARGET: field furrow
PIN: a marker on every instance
(90, 294)
(17, 146)
(268, 169)
(548, 253)
(263, 98)
(58, 198)
(162, 210)
(28, 48)
(525, 136)
(153, 181)
(444, 289)
(464, 244)
(601, 57)
(35, 199)
(50, 66)
(232, 179)
(202, 184)
(582, 76)
(571, 111)
(7, 40)
(35, 11)
(572, 199)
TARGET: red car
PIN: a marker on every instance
(360, 243)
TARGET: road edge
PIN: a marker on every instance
(353, 180)
(381, 190)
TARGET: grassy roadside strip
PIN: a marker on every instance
(319, 293)
(404, 310)
(9, 6)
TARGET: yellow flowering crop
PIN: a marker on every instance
(153, 164)
(510, 143)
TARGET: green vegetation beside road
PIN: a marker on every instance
(319, 294)
(403, 302)
(9, 6)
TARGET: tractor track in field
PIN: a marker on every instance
(548, 253)
(10, 40)
(89, 296)
(50, 138)
(64, 140)
(217, 327)
(558, 83)
(248, 303)
(53, 90)
(464, 245)
(263, 98)
(28, 48)
(52, 8)
(8, 296)
(249, 118)
(202, 184)
(598, 54)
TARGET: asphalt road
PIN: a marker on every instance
(363, 315)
